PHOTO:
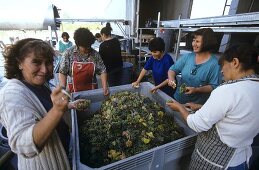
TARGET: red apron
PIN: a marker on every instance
(82, 76)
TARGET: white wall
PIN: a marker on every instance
(207, 8)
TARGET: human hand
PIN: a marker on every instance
(59, 99)
(153, 90)
(106, 91)
(193, 106)
(172, 83)
(135, 84)
(190, 90)
(175, 105)
(79, 104)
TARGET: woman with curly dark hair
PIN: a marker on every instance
(31, 113)
(81, 63)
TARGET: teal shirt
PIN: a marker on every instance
(196, 75)
(63, 46)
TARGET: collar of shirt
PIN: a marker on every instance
(77, 51)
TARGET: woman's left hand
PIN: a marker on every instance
(193, 106)
(179, 108)
(175, 105)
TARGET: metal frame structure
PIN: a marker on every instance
(244, 19)
(116, 21)
(238, 23)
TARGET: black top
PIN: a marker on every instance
(110, 52)
(43, 94)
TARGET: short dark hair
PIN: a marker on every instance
(84, 37)
(247, 54)
(106, 31)
(17, 52)
(156, 44)
(65, 34)
(209, 41)
(97, 35)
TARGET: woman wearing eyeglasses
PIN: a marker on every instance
(200, 72)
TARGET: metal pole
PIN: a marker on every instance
(122, 30)
(50, 35)
(137, 17)
(139, 52)
(158, 24)
(177, 51)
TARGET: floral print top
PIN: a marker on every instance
(73, 54)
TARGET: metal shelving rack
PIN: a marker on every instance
(238, 23)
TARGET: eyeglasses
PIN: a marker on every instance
(194, 71)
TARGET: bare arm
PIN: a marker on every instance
(45, 127)
(171, 78)
(164, 83)
(202, 89)
(179, 108)
(103, 77)
(140, 77)
(62, 79)
(193, 106)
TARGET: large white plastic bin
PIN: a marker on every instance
(174, 155)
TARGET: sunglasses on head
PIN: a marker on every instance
(194, 70)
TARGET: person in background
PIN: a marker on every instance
(82, 63)
(64, 43)
(108, 25)
(98, 37)
(228, 121)
(110, 51)
(97, 42)
(200, 72)
(31, 113)
(159, 63)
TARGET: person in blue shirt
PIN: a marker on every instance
(200, 71)
(64, 43)
(159, 63)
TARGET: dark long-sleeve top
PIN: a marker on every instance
(110, 51)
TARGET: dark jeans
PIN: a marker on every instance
(254, 160)
(242, 166)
